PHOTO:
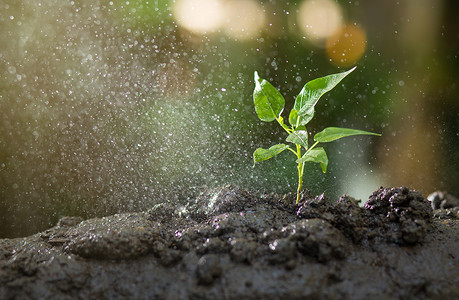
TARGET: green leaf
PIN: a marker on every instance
(312, 91)
(293, 118)
(299, 137)
(317, 155)
(263, 154)
(331, 134)
(269, 103)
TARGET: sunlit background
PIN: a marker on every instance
(113, 106)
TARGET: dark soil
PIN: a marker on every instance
(232, 244)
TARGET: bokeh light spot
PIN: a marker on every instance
(346, 46)
(199, 16)
(244, 18)
(318, 19)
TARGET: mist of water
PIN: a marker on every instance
(109, 107)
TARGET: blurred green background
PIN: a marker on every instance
(113, 106)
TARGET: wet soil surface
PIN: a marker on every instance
(229, 243)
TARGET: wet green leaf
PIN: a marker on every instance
(263, 154)
(317, 155)
(331, 134)
(269, 103)
(311, 93)
(299, 137)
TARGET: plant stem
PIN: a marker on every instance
(312, 147)
(300, 173)
(288, 130)
(301, 169)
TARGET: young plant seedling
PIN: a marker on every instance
(269, 105)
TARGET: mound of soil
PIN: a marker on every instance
(229, 243)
